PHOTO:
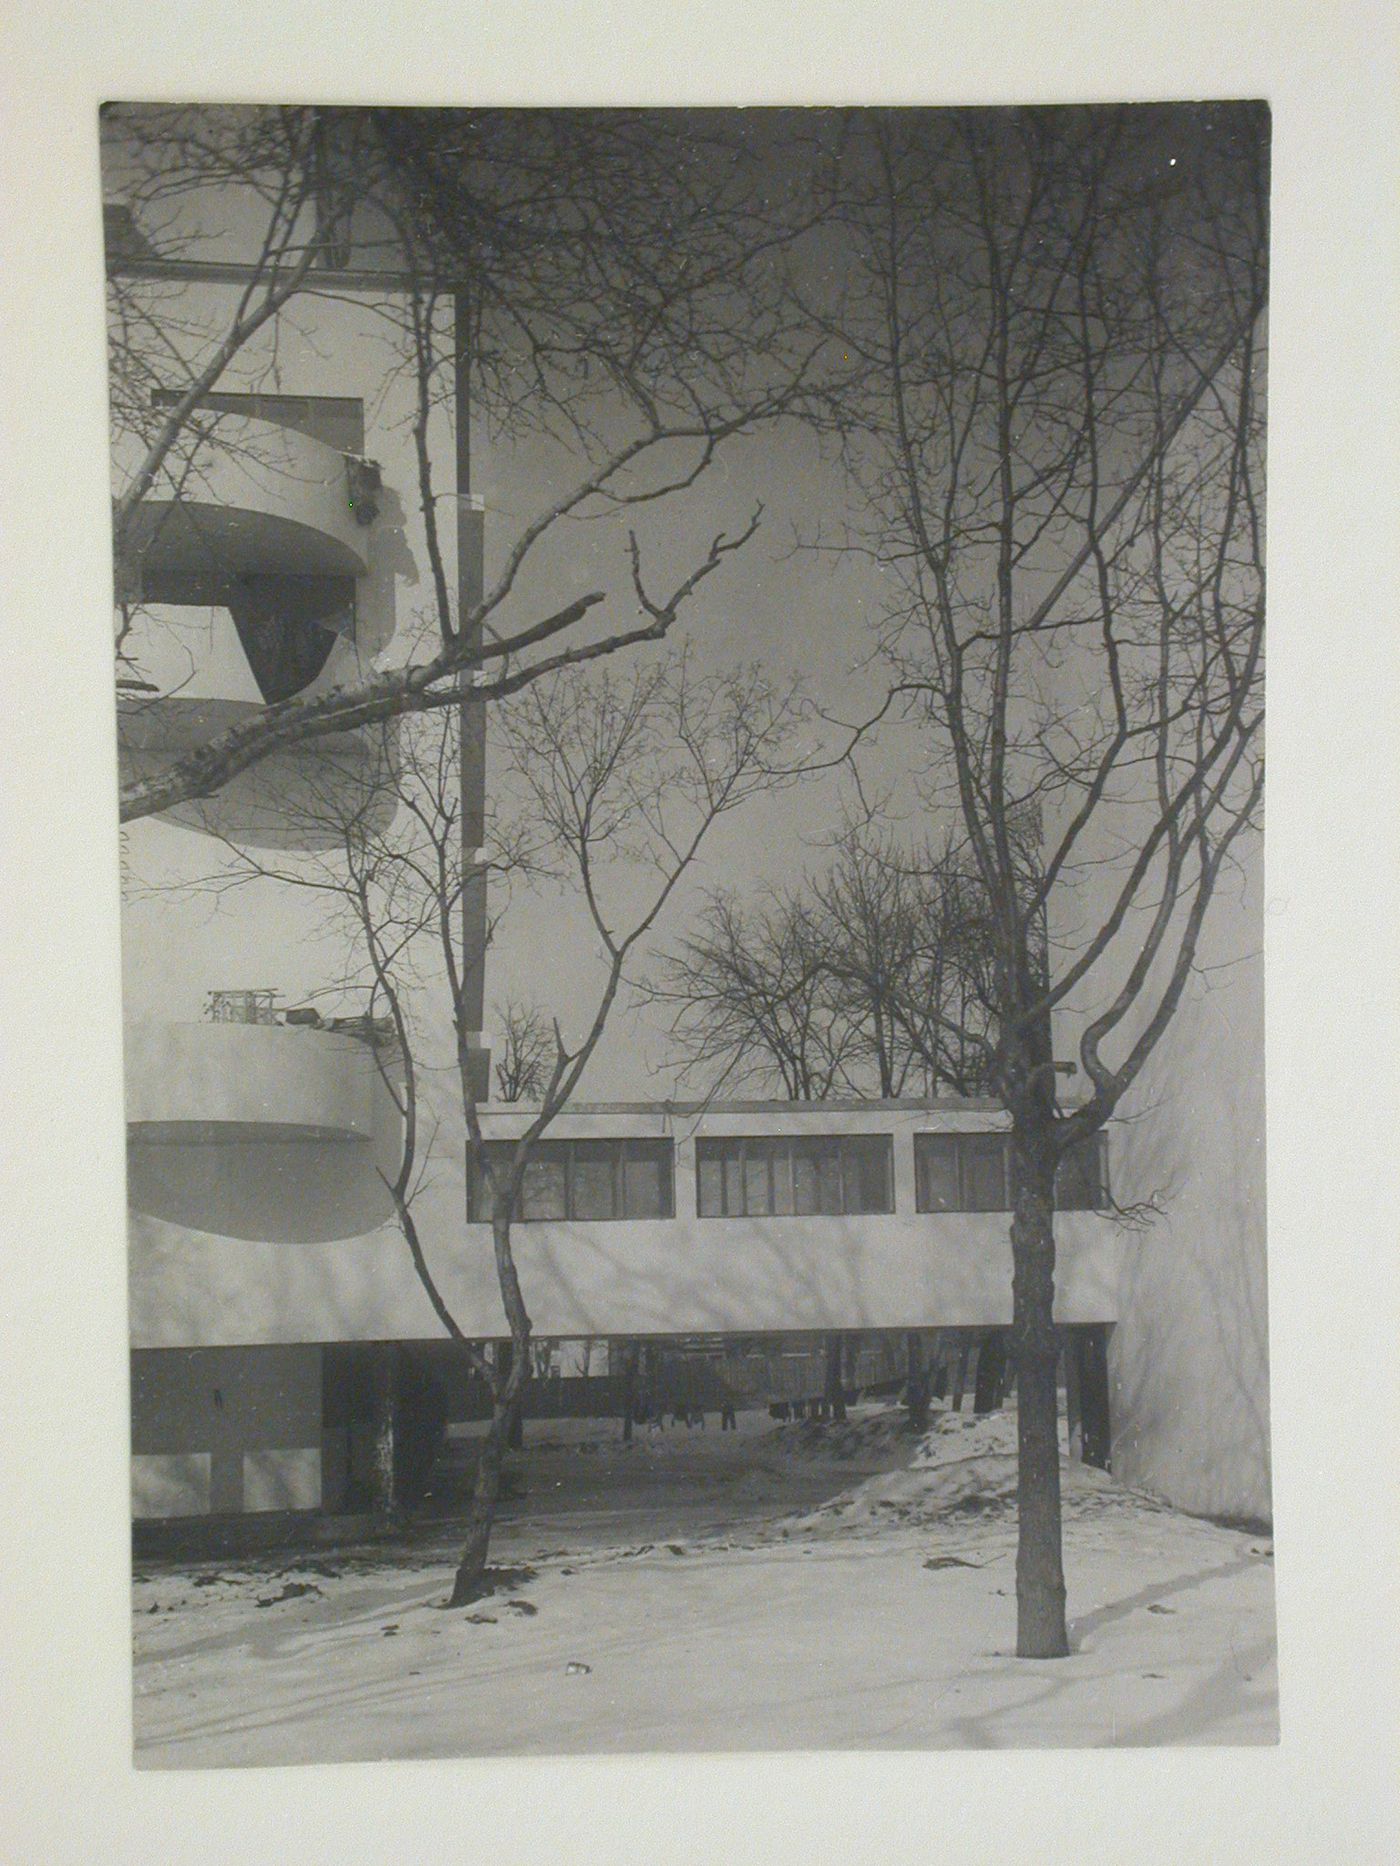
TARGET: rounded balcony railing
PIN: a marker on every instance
(243, 498)
(257, 1130)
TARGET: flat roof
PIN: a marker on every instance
(847, 1104)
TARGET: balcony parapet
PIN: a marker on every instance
(278, 1133)
(200, 1084)
(248, 498)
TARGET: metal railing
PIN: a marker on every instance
(242, 1007)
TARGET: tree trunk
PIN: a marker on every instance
(384, 1497)
(469, 1583)
(1040, 1583)
(835, 1394)
(917, 1391)
(505, 1360)
(508, 1388)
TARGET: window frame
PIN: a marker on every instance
(626, 1149)
(729, 1158)
(958, 1141)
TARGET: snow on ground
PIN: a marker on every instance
(798, 1587)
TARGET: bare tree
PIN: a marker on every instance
(601, 277)
(522, 1051)
(1058, 444)
(610, 786)
(865, 978)
(752, 1004)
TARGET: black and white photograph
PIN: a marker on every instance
(688, 1132)
(690, 695)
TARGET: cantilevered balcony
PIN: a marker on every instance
(251, 572)
(247, 499)
(257, 1130)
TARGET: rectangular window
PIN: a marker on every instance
(774, 1176)
(544, 1190)
(1081, 1182)
(585, 1180)
(936, 1186)
(972, 1173)
(985, 1160)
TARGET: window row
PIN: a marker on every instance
(972, 1173)
(779, 1176)
(584, 1179)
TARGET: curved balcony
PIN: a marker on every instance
(249, 498)
(258, 1130)
(248, 579)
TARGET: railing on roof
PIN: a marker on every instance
(242, 1007)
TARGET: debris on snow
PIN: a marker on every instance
(292, 1590)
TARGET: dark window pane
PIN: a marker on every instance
(593, 1190)
(758, 1202)
(829, 1182)
(710, 1169)
(984, 1172)
(1079, 1180)
(782, 1179)
(646, 1181)
(936, 1172)
(542, 1193)
(498, 1159)
(805, 1187)
(734, 1180)
(867, 1173)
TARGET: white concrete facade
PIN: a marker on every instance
(685, 1274)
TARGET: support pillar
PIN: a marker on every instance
(916, 1390)
(1091, 1352)
(964, 1354)
(991, 1371)
(835, 1393)
(470, 540)
(1074, 1423)
(385, 1401)
(631, 1357)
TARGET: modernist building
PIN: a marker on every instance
(279, 552)
(655, 1221)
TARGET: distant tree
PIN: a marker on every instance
(522, 1051)
(864, 979)
(750, 989)
(1056, 455)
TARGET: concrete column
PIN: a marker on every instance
(384, 1363)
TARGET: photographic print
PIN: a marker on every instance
(690, 700)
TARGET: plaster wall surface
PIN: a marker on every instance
(1190, 1355)
(220, 1429)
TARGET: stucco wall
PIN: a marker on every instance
(1189, 1357)
(224, 1429)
